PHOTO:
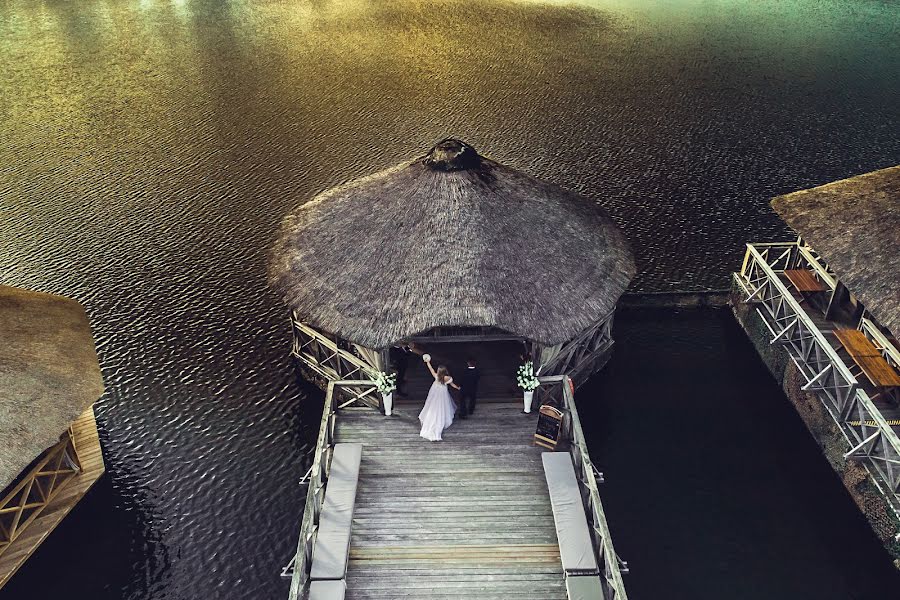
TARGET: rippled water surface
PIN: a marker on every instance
(148, 150)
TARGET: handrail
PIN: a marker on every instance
(817, 267)
(610, 558)
(63, 463)
(315, 494)
(858, 395)
(331, 345)
(801, 314)
(606, 553)
(881, 341)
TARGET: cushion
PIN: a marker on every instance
(576, 550)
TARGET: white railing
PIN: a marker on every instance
(339, 395)
(558, 390)
(888, 350)
(323, 355)
(869, 435)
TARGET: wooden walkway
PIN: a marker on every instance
(468, 517)
(87, 444)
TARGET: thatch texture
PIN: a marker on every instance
(451, 238)
(48, 374)
(855, 225)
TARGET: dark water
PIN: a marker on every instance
(714, 487)
(148, 150)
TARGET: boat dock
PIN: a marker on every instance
(470, 516)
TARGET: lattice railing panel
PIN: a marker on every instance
(871, 438)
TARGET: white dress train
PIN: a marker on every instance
(437, 414)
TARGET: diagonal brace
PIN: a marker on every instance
(862, 444)
(816, 379)
(784, 331)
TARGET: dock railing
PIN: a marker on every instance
(871, 439)
(559, 391)
(338, 396)
(325, 357)
(34, 491)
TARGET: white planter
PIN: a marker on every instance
(528, 395)
(388, 400)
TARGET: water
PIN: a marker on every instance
(714, 486)
(148, 150)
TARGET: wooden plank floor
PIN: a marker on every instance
(87, 443)
(466, 517)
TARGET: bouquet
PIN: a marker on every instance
(526, 378)
(386, 382)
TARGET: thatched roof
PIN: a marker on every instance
(48, 374)
(450, 238)
(855, 225)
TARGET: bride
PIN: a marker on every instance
(437, 414)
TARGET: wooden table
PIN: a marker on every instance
(804, 281)
(868, 358)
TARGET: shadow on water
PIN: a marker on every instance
(715, 488)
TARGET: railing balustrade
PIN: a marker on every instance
(870, 437)
(25, 501)
(339, 395)
(558, 390)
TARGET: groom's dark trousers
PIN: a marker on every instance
(468, 390)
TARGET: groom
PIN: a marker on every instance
(468, 388)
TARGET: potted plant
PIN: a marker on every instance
(386, 384)
(528, 381)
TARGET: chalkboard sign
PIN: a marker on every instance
(548, 426)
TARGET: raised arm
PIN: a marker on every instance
(430, 368)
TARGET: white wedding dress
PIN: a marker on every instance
(437, 414)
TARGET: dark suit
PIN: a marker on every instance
(399, 356)
(468, 392)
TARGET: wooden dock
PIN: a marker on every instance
(63, 499)
(468, 517)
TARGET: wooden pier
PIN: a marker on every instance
(469, 516)
(53, 491)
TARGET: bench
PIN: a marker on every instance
(584, 587)
(803, 280)
(332, 547)
(327, 590)
(576, 550)
(868, 358)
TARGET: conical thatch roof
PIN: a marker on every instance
(451, 238)
(48, 374)
(855, 225)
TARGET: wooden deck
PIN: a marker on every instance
(468, 517)
(87, 443)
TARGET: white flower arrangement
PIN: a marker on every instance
(426, 357)
(386, 382)
(526, 378)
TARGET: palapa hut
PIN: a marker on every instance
(456, 254)
(50, 454)
(854, 225)
(823, 310)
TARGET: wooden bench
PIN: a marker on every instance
(868, 358)
(327, 590)
(576, 550)
(803, 280)
(332, 547)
